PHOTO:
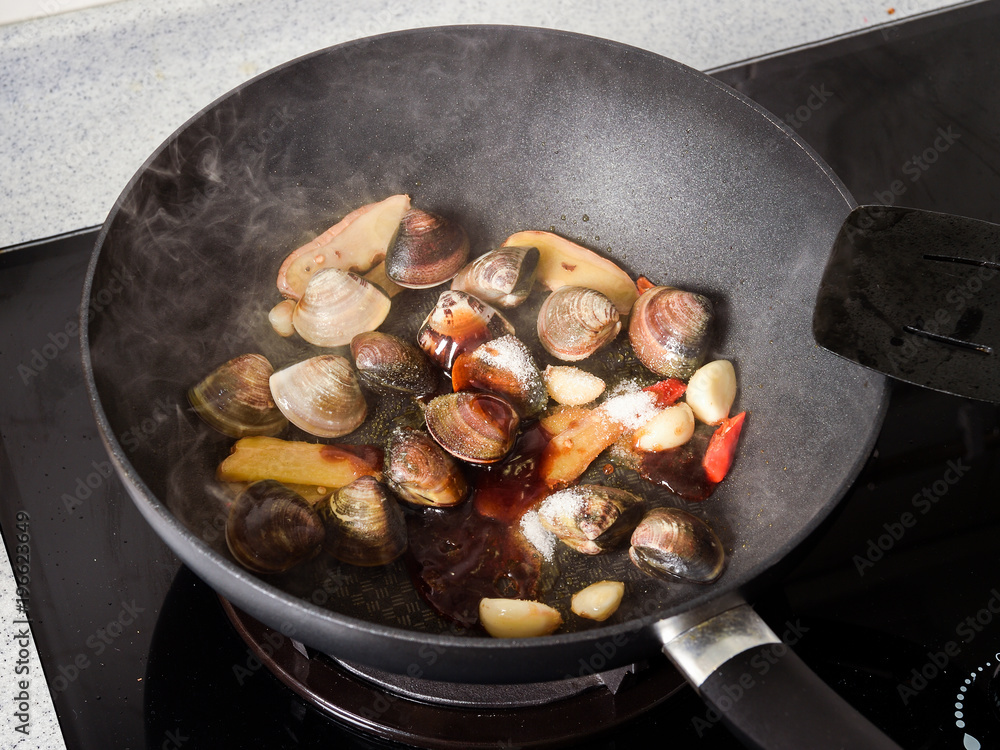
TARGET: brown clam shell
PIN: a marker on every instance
(459, 323)
(388, 363)
(591, 518)
(364, 524)
(421, 472)
(574, 322)
(669, 330)
(671, 543)
(235, 398)
(428, 250)
(272, 528)
(476, 427)
(501, 277)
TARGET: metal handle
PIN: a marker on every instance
(763, 692)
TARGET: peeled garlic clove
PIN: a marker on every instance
(670, 428)
(517, 618)
(712, 390)
(280, 317)
(599, 600)
(572, 386)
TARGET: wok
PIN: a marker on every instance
(671, 173)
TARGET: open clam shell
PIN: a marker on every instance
(591, 518)
(476, 427)
(235, 398)
(271, 528)
(503, 366)
(458, 323)
(421, 472)
(364, 524)
(501, 277)
(574, 322)
(669, 330)
(671, 543)
(336, 306)
(320, 395)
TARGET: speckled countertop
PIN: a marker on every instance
(86, 96)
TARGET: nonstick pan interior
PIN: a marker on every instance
(669, 172)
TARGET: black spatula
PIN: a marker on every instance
(916, 296)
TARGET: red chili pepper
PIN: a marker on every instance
(722, 448)
(644, 285)
(667, 391)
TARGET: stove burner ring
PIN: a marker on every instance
(450, 716)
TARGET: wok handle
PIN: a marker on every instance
(764, 693)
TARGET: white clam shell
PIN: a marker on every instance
(336, 306)
(320, 395)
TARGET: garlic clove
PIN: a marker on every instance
(712, 390)
(599, 600)
(280, 317)
(670, 428)
(517, 618)
(571, 385)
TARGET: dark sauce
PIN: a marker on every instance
(680, 469)
(458, 556)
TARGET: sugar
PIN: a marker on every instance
(631, 409)
(541, 539)
(509, 354)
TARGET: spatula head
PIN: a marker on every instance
(916, 296)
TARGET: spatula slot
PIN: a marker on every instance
(981, 348)
(967, 261)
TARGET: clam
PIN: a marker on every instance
(673, 544)
(338, 305)
(503, 366)
(669, 330)
(388, 363)
(476, 427)
(459, 323)
(320, 395)
(590, 518)
(236, 400)
(421, 472)
(502, 277)
(364, 524)
(574, 322)
(271, 528)
(428, 250)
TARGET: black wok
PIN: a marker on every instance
(664, 169)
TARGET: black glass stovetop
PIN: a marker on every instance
(896, 602)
